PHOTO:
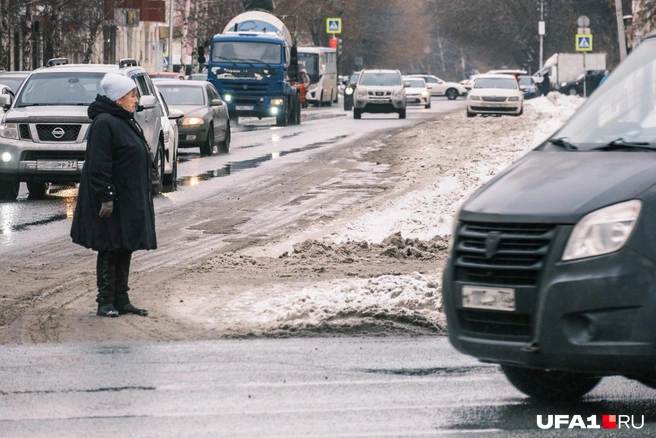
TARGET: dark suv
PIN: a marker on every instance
(44, 130)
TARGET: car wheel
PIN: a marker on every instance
(428, 105)
(9, 190)
(452, 94)
(402, 114)
(550, 386)
(470, 114)
(572, 91)
(38, 189)
(208, 147)
(357, 114)
(224, 146)
(159, 161)
(170, 180)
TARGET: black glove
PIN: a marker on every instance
(106, 209)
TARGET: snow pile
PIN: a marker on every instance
(408, 303)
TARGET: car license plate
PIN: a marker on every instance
(490, 298)
(244, 107)
(56, 165)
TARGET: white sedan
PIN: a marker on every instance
(438, 87)
(416, 92)
(495, 94)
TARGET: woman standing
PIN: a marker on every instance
(114, 214)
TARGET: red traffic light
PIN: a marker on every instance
(333, 43)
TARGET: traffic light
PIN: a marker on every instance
(333, 43)
(339, 47)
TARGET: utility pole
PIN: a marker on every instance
(621, 36)
(170, 66)
(541, 32)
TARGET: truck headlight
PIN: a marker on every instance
(9, 130)
(603, 231)
(192, 121)
(277, 101)
(227, 98)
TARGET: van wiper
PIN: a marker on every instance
(620, 143)
(562, 142)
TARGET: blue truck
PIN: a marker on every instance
(254, 65)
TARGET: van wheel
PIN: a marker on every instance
(357, 114)
(550, 386)
(38, 189)
(9, 190)
(402, 114)
(208, 147)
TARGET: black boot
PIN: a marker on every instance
(105, 280)
(121, 297)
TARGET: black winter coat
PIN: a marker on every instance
(116, 168)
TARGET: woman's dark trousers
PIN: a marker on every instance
(113, 271)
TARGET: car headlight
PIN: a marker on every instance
(564, 84)
(348, 90)
(513, 99)
(277, 101)
(475, 97)
(9, 130)
(398, 94)
(192, 121)
(227, 98)
(603, 231)
(424, 93)
(361, 94)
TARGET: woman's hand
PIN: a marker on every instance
(106, 209)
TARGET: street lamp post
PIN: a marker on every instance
(170, 67)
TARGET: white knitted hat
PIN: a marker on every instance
(116, 86)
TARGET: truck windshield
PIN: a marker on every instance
(69, 88)
(266, 53)
(624, 106)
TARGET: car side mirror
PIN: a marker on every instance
(147, 102)
(216, 102)
(5, 101)
(175, 114)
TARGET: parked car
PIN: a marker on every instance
(529, 87)
(416, 92)
(576, 86)
(349, 90)
(379, 91)
(13, 79)
(438, 87)
(171, 118)
(551, 269)
(206, 120)
(469, 82)
(44, 130)
(165, 75)
(495, 94)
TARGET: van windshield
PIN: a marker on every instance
(623, 107)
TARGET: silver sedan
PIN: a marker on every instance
(206, 121)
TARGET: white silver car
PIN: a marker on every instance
(170, 120)
(439, 87)
(495, 94)
(379, 91)
(416, 92)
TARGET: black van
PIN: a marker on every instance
(552, 266)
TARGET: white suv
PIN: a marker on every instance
(379, 91)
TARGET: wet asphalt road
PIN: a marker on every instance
(356, 387)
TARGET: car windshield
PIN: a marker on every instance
(380, 79)
(415, 83)
(504, 83)
(182, 95)
(235, 51)
(624, 107)
(12, 82)
(60, 88)
(525, 80)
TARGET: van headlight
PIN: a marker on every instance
(603, 231)
(9, 130)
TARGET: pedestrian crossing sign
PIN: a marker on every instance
(333, 25)
(583, 42)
